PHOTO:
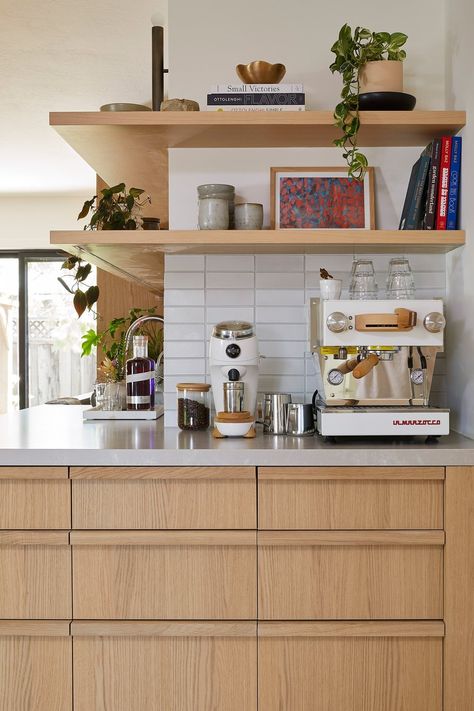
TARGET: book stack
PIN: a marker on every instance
(432, 198)
(256, 97)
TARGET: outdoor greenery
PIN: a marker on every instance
(115, 209)
(353, 50)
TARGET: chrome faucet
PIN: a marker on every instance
(134, 326)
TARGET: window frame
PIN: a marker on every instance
(25, 256)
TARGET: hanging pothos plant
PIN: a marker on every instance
(84, 296)
(352, 51)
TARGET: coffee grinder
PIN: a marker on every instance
(234, 363)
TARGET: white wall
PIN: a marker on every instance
(65, 56)
(460, 263)
(26, 220)
(207, 40)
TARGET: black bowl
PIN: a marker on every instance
(386, 101)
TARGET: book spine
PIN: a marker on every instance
(297, 107)
(454, 179)
(256, 89)
(409, 195)
(414, 213)
(443, 183)
(255, 99)
(431, 200)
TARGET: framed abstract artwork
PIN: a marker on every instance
(321, 199)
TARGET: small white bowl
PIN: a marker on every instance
(234, 429)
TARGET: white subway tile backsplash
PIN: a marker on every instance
(185, 366)
(230, 280)
(185, 349)
(279, 263)
(279, 280)
(279, 297)
(184, 280)
(281, 314)
(230, 297)
(181, 314)
(282, 349)
(184, 263)
(177, 332)
(216, 314)
(230, 263)
(282, 331)
(282, 366)
(272, 291)
(184, 297)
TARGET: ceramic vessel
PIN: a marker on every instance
(213, 214)
(330, 288)
(248, 216)
(381, 75)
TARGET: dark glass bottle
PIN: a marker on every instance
(140, 377)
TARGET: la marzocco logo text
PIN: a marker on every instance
(403, 423)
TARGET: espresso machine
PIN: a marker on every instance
(374, 363)
(234, 363)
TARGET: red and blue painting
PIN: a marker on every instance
(320, 200)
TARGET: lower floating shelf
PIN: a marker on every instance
(139, 255)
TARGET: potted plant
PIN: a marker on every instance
(115, 209)
(367, 61)
(112, 342)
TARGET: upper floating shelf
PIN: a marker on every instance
(145, 130)
(138, 255)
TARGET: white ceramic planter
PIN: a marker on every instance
(382, 75)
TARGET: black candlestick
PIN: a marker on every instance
(157, 66)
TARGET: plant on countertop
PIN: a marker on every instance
(115, 209)
(352, 52)
(112, 341)
(84, 297)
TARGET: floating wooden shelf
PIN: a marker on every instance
(132, 145)
(137, 255)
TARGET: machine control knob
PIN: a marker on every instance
(434, 322)
(233, 350)
(337, 322)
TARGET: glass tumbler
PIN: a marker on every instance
(400, 281)
(363, 285)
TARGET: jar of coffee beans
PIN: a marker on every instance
(193, 406)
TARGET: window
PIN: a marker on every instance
(40, 334)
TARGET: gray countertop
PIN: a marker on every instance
(56, 435)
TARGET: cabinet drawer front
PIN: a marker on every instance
(165, 503)
(342, 577)
(35, 503)
(35, 671)
(165, 576)
(360, 673)
(173, 670)
(35, 580)
(307, 498)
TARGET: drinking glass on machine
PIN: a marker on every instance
(400, 281)
(363, 285)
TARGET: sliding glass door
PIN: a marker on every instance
(40, 334)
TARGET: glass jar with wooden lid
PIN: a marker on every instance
(193, 406)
